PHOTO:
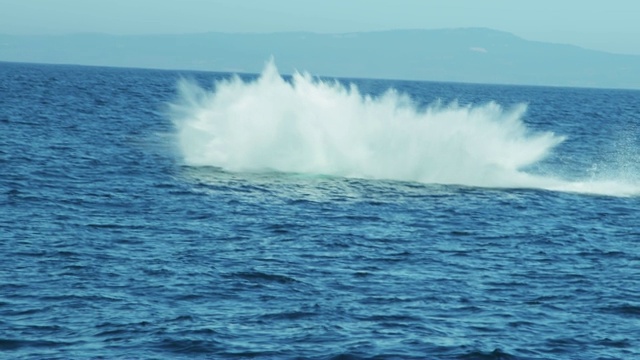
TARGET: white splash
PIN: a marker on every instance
(318, 127)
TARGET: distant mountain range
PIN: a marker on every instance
(474, 55)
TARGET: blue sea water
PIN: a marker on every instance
(147, 216)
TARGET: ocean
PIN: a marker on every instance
(148, 214)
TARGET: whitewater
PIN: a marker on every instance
(307, 125)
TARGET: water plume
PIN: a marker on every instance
(313, 126)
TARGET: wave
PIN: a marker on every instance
(312, 126)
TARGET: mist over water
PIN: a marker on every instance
(312, 126)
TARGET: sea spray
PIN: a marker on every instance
(313, 126)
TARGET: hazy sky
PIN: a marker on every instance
(610, 25)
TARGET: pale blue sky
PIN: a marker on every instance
(609, 25)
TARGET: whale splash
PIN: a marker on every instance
(311, 126)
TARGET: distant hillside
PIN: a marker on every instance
(462, 55)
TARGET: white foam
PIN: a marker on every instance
(319, 127)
